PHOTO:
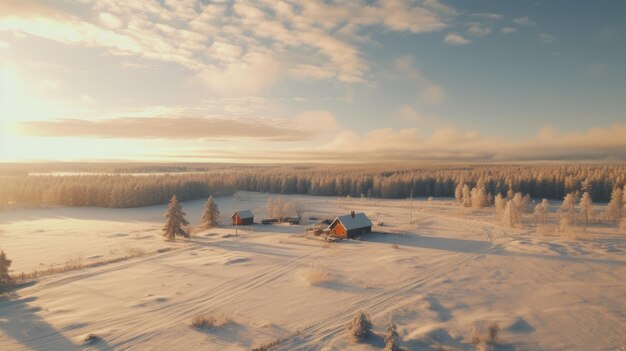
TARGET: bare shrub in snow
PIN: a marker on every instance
(91, 338)
(360, 327)
(317, 275)
(206, 320)
(267, 346)
(484, 340)
(392, 339)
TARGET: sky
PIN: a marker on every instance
(313, 81)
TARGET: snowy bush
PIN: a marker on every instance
(392, 339)
(485, 340)
(360, 327)
(317, 275)
(206, 321)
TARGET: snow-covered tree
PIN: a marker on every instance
(175, 220)
(541, 212)
(500, 203)
(510, 216)
(392, 339)
(615, 206)
(568, 208)
(5, 278)
(458, 192)
(467, 196)
(360, 327)
(586, 207)
(526, 203)
(478, 197)
(210, 213)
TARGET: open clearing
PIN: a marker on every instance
(452, 268)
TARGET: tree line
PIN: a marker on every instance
(381, 181)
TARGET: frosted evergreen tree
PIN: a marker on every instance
(614, 208)
(568, 208)
(500, 203)
(479, 197)
(458, 192)
(360, 327)
(467, 196)
(392, 339)
(210, 213)
(510, 217)
(175, 220)
(5, 278)
(586, 207)
(541, 212)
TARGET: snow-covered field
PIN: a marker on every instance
(451, 269)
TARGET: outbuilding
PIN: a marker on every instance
(351, 225)
(243, 217)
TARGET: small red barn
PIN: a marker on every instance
(351, 225)
(243, 217)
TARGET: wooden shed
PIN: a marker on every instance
(243, 217)
(351, 225)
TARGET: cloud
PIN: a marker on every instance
(478, 29)
(446, 145)
(508, 30)
(455, 39)
(546, 38)
(409, 114)
(524, 21)
(167, 128)
(246, 45)
(487, 15)
(432, 95)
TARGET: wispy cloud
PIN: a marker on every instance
(524, 21)
(546, 38)
(508, 30)
(168, 128)
(487, 15)
(447, 144)
(231, 47)
(456, 39)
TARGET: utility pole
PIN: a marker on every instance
(411, 205)
(235, 211)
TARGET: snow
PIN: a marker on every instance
(451, 268)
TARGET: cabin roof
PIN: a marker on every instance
(359, 220)
(243, 214)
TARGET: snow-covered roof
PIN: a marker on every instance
(244, 214)
(359, 220)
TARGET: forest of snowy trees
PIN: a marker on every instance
(382, 181)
